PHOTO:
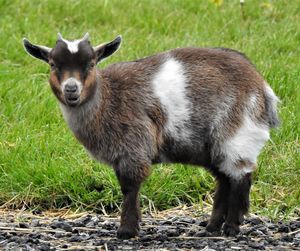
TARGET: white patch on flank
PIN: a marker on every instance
(71, 80)
(169, 85)
(244, 145)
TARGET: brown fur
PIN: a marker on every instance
(120, 121)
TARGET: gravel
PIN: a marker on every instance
(25, 231)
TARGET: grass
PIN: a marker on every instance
(42, 165)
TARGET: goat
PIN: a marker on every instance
(201, 106)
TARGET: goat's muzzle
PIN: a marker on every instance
(71, 94)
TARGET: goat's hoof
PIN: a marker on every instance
(125, 233)
(231, 230)
(212, 228)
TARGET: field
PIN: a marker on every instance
(41, 164)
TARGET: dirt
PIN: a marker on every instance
(178, 229)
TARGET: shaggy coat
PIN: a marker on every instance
(202, 106)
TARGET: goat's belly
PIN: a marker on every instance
(185, 154)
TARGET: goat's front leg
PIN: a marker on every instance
(130, 215)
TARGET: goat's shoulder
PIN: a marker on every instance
(135, 68)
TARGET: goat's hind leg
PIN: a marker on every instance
(238, 204)
(220, 205)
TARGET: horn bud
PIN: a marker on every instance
(59, 37)
(86, 37)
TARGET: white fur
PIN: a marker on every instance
(253, 101)
(244, 145)
(72, 80)
(271, 93)
(72, 45)
(169, 85)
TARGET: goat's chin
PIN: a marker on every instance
(71, 104)
(72, 101)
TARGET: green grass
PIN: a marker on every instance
(42, 165)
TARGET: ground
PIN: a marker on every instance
(181, 228)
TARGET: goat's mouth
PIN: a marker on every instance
(72, 100)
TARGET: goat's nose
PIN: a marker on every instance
(71, 88)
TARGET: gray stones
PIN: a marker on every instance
(62, 224)
(94, 232)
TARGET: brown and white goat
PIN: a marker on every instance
(199, 106)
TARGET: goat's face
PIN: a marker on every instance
(73, 76)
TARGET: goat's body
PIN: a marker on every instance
(198, 106)
(207, 107)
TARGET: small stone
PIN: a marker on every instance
(104, 232)
(81, 222)
(35, 223)
(75, 238)
(271, 226)
(90, 224)
(2, 237)
(257, 233)
(295, 225)
(23, 225)
(59, 235)
(75, 231)
(255, 220)
(162, 229)
(16, 239)
(28, 248)
(297, 236)
(201, 233)
(283, 228)
(187, 220)
(162, 237)
(166, 222)
(203, 223)
(242, 238)
(173, 233)
(3, 243)
(45, 247)
(191, 232)
(256, 245)
(146, 238)
(62, 225)
(287, 238)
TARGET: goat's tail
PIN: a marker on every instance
(271, 101)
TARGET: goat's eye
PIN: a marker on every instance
(52, 65)
(92, 64)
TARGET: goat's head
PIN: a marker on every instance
(73, 72)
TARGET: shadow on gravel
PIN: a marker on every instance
(21, 230)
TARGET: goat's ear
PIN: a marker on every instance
(105, 50)
(37, 51)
